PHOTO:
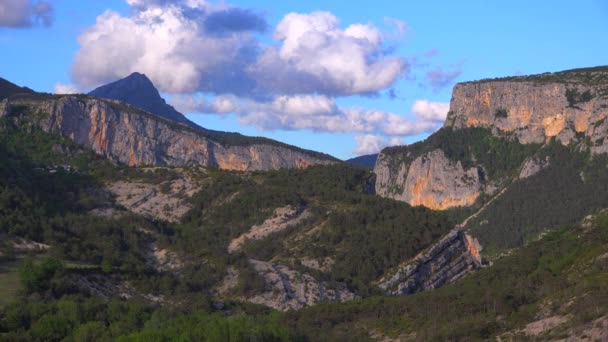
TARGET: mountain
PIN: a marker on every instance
(513, 114)
(509, 150)
(7, 89)
(510, 242)
(367, 161)
(132, 136)
(137, 90)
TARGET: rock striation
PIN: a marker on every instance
(134, 137)
(450, 259)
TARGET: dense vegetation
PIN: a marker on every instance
(49, 186)
(515, 291)
(364, 234)
(573, 185)
(568, 266)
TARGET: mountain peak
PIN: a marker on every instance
(138, 90)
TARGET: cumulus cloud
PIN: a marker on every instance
(191, 46)
(25, 13)
(439, 78)
(60, 88)
(370, 144)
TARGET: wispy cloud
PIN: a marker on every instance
(25, 13)
(440, 78)
(60, 88)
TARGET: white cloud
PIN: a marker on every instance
(431, 111)
(319, 113)
(193, 46)
(25, 13)
(191, 104)
(370, 144)
(66, 89)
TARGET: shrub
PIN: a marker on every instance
(501, 113)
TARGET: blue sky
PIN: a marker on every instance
(454, 41)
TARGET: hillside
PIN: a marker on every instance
(510, 149)
(117, 224)
(367, 161)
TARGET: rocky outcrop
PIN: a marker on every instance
(282, 218)
(532, 166)
(450, 259)
(168, 201)
(287, 289)
(569, 106)
(431, 180)
(134, 137)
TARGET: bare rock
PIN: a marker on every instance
(450, 259)
(281, 219)
(535, 109)
(167, 201)
(532, 166)
(136, 138)
(287, 289)
(431, 180)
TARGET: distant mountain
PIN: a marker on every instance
(368, 160)
(137, 90)
(7, 89)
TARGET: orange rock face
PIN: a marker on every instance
(136, 138)
(536, 111)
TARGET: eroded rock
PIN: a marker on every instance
(450, 259)
(287, 289)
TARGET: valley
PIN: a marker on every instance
(146, 227)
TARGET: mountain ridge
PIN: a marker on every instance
(134, 136)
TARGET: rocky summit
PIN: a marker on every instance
(137, 90)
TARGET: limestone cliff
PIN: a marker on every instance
(569, 106)
(431, 180)
(450, 259)
(134, 137)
